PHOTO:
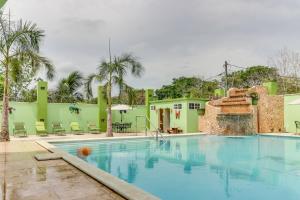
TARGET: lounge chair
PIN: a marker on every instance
(19, 129)
(40, 129)
(76, 128)
(92, 128)
(58, 128)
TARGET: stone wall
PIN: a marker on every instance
(271, 114)
(266, 117)
(208, 122)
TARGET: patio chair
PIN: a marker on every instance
(116, 126)
(58, 129)
(297, 123)
(75, 128)
(40, 129)
(19, 129)
(92, 128)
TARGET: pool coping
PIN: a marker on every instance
(119, 186)
(119, 138)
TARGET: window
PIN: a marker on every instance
(152, 107)
(178, 106)
(193, 106)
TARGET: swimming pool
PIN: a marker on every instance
(202, 167)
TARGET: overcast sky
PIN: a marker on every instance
(171, 37)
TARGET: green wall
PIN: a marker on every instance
(23, 112)
(60, 112)
(291, 112)
(130, 117)
(27, 113)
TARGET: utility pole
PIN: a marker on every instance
(226, 76)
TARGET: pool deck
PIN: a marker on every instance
(23, 177)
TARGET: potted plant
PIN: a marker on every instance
(74, 109)
(254, 97)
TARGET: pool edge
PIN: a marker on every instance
(121, 187)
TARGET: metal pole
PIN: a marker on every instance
(145, 126)
(226, 76)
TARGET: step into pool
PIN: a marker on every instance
(201, 167)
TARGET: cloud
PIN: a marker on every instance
(171, 38)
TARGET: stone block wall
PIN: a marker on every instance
(271, 114)
(266, 117)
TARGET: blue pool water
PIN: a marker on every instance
(202, 167)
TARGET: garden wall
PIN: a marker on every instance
(59, 112)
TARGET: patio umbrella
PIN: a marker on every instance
(122, 108)
(295, 102)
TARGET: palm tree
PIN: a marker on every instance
(67, 89)
(112, 73)
(19, 47)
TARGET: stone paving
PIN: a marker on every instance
(24, 178)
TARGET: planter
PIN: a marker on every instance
(254, 101)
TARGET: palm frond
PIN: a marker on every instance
(132, 62)
(74, 81)
(88, 85)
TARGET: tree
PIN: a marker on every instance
(19, 47)
(23, 78)
(251, 76)
(67, 89)
(187, 87)
(130, 96)
(287, 63)
(112, 72)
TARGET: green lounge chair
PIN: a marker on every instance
(58, 128)
(76, 128)
(19, 129)
(40, 129)
(92, 128)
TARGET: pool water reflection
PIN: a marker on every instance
(202, 167)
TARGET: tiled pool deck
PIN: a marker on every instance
(28, 179)
(22, 177)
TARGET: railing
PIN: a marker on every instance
(157, 130)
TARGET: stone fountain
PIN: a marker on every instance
(236, 113)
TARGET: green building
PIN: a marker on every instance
(181, 113)
(291, 112)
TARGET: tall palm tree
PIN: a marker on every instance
(19, 46)
(112, 72)
(67, 89)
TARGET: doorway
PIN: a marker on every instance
(164, 119)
